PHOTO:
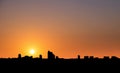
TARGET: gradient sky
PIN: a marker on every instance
(66, 27)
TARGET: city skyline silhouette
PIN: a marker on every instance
(52, 59)
(59, 36)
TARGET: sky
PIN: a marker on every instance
(65, 27)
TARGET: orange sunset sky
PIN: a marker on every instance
(65, 27)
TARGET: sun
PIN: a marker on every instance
(32, 51)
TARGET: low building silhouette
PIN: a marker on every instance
(106, 57)
(57, 57)
(86, 57)
(114, 57)
(91, 57)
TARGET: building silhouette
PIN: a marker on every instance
(78, 56)
(86, 57)
(106, 57)
(40, 56)
(19, 56)
(51, 56)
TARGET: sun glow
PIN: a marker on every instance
(32, 51)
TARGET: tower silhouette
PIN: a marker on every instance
(51, 56)
(19, 56)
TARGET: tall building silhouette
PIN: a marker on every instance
(51, 56)
(19, 56)
(40, 56)
(78, 56)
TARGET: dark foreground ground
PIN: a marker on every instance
(59, 65)
(52, 63)
(37, 61)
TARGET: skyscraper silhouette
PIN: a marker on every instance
(51, 56)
